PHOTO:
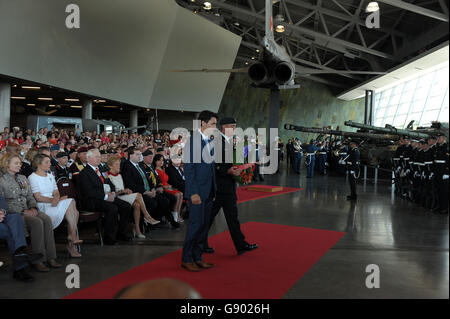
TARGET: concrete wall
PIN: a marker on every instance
(123, 51)
(312, 105)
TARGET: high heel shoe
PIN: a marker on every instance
(139, 236)
(72, 251)
(151, 222)
(75, 242)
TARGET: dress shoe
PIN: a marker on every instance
(209, 250)
(22, 256)
(23, 275)
(175, 225)
(190, 267)
(203, 264)
(247, 247)
(40, 267)
(123, 237)
(53, 264)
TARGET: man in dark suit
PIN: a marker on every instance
(200, 191)
(226, 191)
(176, 175)
(92, 185)
(135, 179)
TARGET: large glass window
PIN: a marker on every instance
(423, 99)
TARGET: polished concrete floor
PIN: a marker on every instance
(409, 244)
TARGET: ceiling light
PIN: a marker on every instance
(279, 19)
(257, 50)
(31, 87)
(45, 98)
(246, 63)
(76, 106)
(72, 100)
(237, 24)
(14, 86)
(52, 105)
(31, 104)
(280, 28)
(253, 57)
(207, 5)
(217, 14)
(372, 7)
(18, 97)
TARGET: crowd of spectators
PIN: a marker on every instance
(127, 177)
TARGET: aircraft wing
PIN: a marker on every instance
(241, 70)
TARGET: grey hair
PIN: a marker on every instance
(91, 152)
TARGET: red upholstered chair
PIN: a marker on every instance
(67, 188)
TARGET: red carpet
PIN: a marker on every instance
(245, 195)
(284, 255)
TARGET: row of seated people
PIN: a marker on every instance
(140, 187)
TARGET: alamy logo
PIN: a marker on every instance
(73, 279)
(373, 280)
(73, 19)
(373, 20)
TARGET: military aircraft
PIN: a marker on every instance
(275, 70)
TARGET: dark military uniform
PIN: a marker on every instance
(397, 163)
(60, 172)
(428, 159)
(441, 176)
(353, 163)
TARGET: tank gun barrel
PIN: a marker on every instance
(389, 130)
(317, 130)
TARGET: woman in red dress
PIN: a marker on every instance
(158, 163)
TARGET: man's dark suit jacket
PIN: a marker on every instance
(175, 179)
(133, 179)
(200, 177)
(226, 183)
(91, 187)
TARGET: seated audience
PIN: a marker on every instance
(158, 164)
(16, 191)
(134, 199)
(94, 198)
(45, 191)
(136, 180)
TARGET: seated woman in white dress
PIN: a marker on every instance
(45, 191)
(135, 199)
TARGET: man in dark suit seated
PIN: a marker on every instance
(13, 230)
(135, 179)
(94, 197)
(176, 175)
